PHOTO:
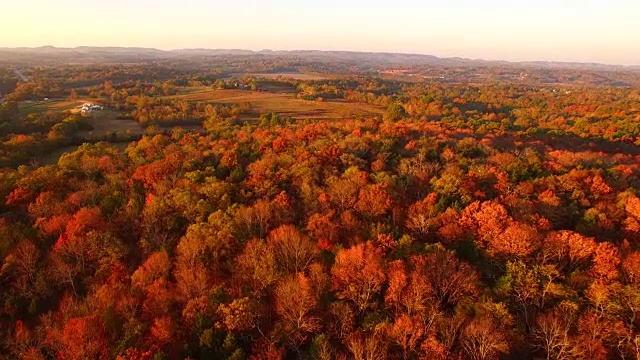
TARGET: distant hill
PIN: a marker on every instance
(83, 54)
(88, 54)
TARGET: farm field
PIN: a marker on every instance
(295, 76)
(285, 104)
(30, 107)
(105, 122)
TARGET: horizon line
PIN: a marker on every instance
(530, 61)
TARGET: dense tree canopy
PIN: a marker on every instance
(469, 221)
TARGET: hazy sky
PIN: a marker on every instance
(567, 30)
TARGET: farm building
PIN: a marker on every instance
(89, 107)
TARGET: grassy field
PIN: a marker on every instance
(284, 75)
(285, 104)
(295, 76)
(30, 107)
(106, 121)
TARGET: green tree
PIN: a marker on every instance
(9, 111)
(395, 112)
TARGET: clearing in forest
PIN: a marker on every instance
(285, 104)
(30, 107)
(291, 75)
(105, 122)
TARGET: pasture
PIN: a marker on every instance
(284, 104)
(291, 75)
(105, 122)
(30, 107)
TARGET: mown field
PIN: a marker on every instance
(295, 76)
(30, 107)
(102, 121)
(105, 122)
(284, 104)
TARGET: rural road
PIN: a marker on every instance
(20, 75)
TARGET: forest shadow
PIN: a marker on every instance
(568, 142)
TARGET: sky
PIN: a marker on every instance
(553, 30)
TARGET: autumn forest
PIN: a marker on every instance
(277, 207)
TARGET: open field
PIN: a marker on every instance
(284, 75)
(30, 107)
(295, 76)
(285, 104)
(106, 121)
